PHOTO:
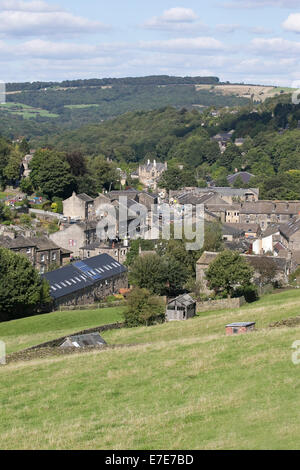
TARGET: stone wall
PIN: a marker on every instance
(220, 304)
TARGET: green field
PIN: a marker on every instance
(27, 112)
(26, 332)
(81, 106)
(185, 386)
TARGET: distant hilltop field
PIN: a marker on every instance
(256, 92)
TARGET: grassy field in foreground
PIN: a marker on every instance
(26, 332)
(187, 386)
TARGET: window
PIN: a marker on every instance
(28, 251)
(42, 258)
(42, 270)
(235, 331)
(53, 256)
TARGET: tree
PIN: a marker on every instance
(12, 169)
(51, 174)
(24, 147)
(229, 271)
(77, 163)
(174, 178)
(103, 172)
(266, 268)
(26, 186)
(22, 291)
(149, 272)
(143, 308)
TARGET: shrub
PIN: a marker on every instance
(143, 308)
(22, 291)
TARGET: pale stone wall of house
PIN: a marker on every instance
(72, 238)
(74, 207)
(294, 242)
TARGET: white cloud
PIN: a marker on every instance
(179, 15)
(232, 28)
(292, 23)
(21, 5)
(184, 44)
(276, 46)
(175, 19)
(37, 18)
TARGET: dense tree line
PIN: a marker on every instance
(150, 80)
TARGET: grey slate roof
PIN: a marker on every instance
(244, 175)
(194, 199)
(84, 197)
(241, 324)
(287, 230)
(44, 243)
(271, 230)
(226, 191)
(16, 243)
(184, 300)
(83, 341)
(80, 274)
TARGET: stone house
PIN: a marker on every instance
(194, 197)
(47, 254)
(223, 138)
(226, 213)
(234, 195)
(78, 206)
(181, 308)
(266, 213)
(116, 249)
(41, 252)
(74, 236)
(150, 173)
(267, 240)
(230, 232)
(86, 282)
(20, 244)
(248, 230)
(227, 194)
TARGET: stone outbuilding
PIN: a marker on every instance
(239, 328)
(83, 341)
(181, 308)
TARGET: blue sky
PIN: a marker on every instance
(253, 41)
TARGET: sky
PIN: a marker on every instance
(251, 41)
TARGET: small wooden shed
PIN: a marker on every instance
(239, 328)
(181, 308)
(83, 341)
